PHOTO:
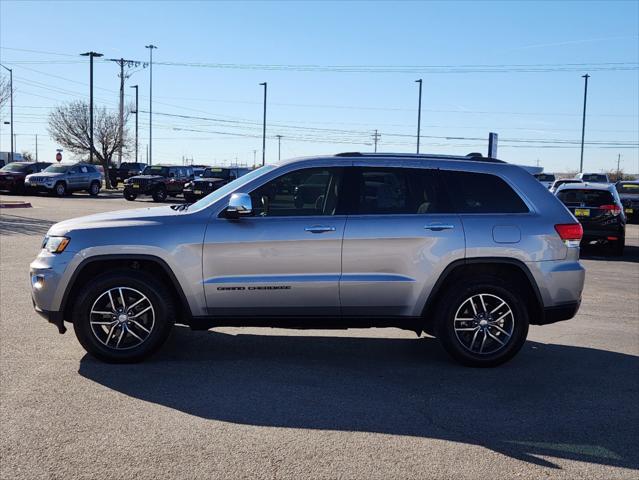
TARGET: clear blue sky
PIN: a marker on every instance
(338, 110)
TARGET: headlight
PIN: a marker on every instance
(55, 244)
(127, 181)
(187, 185)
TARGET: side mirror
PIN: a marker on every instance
(240, 205)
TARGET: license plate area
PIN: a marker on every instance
(582, 212)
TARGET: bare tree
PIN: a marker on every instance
(5, 91)
(69, 126)
(27, 156)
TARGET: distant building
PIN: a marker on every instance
(4, 157)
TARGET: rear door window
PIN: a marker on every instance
(586, 198)
(394, 191)
(473, 192)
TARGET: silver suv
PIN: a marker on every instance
(62, 179)
(466, 249)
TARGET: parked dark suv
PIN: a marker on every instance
(598, 208)
(13, 174)
(629, 194)
(211, 179)
(158, 181)
(124, 171)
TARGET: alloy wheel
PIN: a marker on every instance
(484, 323)
(122, 318)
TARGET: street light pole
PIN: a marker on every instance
(264, 128)
(279, 147)
(11, 107)
(91, 55)
(136, 122)
(150, 47)
(583, 122)
(419, 112)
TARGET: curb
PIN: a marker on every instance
(15, 205)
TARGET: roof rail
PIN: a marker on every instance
(474, 156)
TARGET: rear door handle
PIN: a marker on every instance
(319, 229)
(436, 227)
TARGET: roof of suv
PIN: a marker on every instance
(346, 156)
(586, 186)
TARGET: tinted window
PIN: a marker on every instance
(395, 191)
(306, 192)
(216, 173)
(587, 198)
(482, 193)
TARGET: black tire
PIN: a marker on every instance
(159, 327)
(618, 246)
(130, 196)
(160, 194)
(60, 189)
(495, 290)
(94, 189)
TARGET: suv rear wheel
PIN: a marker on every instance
(123, 316)
(483, 322)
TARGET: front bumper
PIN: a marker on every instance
(57, 318)
(141, 190)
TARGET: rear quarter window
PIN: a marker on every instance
(482, 193)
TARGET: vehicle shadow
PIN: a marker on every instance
(551, 400)
(17, 225)
(630, 254)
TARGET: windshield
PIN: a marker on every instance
(217, 173)
(231, 186)
(595, 177)
(14, 167)
(545, 177)
(625, 188)
(163, 171)
(57, 169)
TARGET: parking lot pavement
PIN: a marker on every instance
(270, 403)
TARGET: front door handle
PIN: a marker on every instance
(437, 227)
(319, 229)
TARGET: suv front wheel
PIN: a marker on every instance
(123, 316)
(483, 322)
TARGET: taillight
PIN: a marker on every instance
(570, 233)
(612, 209)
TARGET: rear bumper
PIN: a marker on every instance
(558, 313)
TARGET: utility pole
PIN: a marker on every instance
(91, 55)
(419, 113)
(264, 128)
(36, 147)
(279, 147)
(151, 47)
(254, 155)
(618, 162)
(129, 64)
(583, 123)
(147, 154)
(376, 136)
(136, 122)
(11, 108)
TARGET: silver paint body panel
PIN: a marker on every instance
(367, 265)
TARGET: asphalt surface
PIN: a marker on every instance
(270, 403)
